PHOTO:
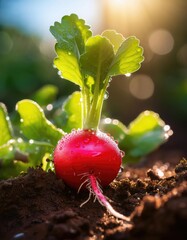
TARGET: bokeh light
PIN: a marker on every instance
(161, 41)
(141, 86)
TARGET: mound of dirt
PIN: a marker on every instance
(38, 206)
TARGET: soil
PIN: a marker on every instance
(36, 205)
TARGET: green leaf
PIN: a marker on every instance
(72, 112)
(95, 62)
(68, 65)
(146, 133)
(115, 38)
(145, 122)
(7, 152)
(9, 166)
(45, 95)
(34, 125)
(35, 150)
(128, 58)
(71, 35)
(12, 169)
(115, 128)
(6, 131)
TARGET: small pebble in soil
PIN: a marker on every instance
(19, 236)
(152, 175)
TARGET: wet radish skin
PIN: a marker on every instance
(85, 152)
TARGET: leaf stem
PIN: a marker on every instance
(92, 105)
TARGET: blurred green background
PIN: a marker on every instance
(27, 52)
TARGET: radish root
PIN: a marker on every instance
(95, 189)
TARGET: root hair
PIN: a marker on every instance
(94, 188)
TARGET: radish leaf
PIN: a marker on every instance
(34, 125)
(71, 35)
(45, 95)
(71, 115)
(127, 58)
(115, 128)
(90, 62)
(96, 61)
(146, 133)
(5, 125)
(115, 38)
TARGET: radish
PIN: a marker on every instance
(88, 158)
(86, 152)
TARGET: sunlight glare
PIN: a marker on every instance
(123, 2)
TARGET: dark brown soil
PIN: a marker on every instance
(39, 206)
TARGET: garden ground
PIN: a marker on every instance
(37, 205)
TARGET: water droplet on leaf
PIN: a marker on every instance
(10, 148)
(31, 141)
(49, 107)
(106, 95)
(20, 140)
(128, 74)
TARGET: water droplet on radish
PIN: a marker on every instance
(86, 140)
(73, 130)
(96, 154)
(121, 169)
(77, 145)
(116, 141)
(97, 142)
(122, 153)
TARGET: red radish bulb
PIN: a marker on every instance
(87, 152)
(89, 159)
